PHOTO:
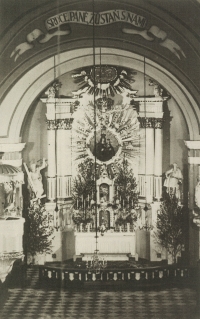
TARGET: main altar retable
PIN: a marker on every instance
(132, 130)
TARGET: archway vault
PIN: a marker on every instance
(32, 83)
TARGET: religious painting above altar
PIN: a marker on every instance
(106, 126)
(111, 136)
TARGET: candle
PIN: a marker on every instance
(54, 217)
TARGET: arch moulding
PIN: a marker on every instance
(32, 83)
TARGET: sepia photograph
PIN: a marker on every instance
(99, 159)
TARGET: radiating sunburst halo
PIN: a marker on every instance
(120, 126)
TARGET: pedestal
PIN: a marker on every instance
(11, 248)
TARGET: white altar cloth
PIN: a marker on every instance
(108, 244)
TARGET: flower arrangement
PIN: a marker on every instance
(82, 217)
(126, 216)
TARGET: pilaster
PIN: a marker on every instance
(194, 218)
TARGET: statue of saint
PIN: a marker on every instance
(158, 90)
(9, 195)
(35, 179)
(51, 92)
(173, 181)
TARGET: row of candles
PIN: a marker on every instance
(87, 203)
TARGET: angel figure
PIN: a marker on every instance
(35, 184)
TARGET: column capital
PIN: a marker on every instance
(60, 124)
(192, 145)
(151, 122)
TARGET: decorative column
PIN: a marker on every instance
(193, 204)
(59, 124)
(147, 180)
(150, 170)
(51, 140)
(63, 152)
(158, 158)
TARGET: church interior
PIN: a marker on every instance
(99, 159)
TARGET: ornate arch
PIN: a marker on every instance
(33, 82)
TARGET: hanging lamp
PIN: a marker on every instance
(96, 264)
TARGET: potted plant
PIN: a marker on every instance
(40, 234)
(170, 227)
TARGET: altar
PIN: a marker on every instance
(108, 186)
(111, 246)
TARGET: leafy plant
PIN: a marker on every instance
(120, 221)
(84, 182)
(82, 217)
(39, 239)
(126, 185)
(171, 230)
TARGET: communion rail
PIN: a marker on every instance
(172, 275)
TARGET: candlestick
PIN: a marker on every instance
(54, 217)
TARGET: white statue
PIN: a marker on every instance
(51, 92)
(35, 179)
(9, 195)
(173, 180)
(158, 90)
